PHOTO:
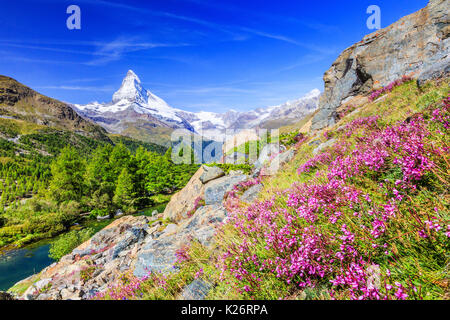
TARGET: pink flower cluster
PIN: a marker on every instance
(318, 232)
(198, 202)
(377, 93)
(182, 254)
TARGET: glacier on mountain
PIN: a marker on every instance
(132, 101)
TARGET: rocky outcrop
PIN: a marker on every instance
(211, 173)
(197, 290)
(139, 245)
(183, 202)
(215, 190)
(158, 253)
(417, 45)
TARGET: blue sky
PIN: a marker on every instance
(196, 54)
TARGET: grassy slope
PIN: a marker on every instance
(418, 266)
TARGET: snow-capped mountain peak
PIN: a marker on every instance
(133, 103)
(131, 90)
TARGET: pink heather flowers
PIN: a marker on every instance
(318, 232)
(377, 93)
(198, 202)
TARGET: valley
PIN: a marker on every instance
(347, 198)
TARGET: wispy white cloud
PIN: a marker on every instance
(114, 50)
(238, 32)
(103, 52)
(78, 88)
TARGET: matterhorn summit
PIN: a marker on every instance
(131, 90)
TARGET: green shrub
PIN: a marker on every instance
(69, 241)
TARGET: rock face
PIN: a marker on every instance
(94, 265)
(197, 290)
(158, 253)
(183, 201)
(211, 173)
(417, 45)
(215, 190)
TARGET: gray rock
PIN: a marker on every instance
(100, 218)
(81, 253)
(205, 235)
(265, 154)
(435, 71)
(119, 213)
(211, 173)
(251, 194)
(215, 190)
(41, 284)
(416, 45)
(279, 161)
(134, 235)
(197, 290)
(158, 255)
(171, 228)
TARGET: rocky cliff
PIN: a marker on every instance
(417, 45)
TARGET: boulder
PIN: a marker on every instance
(102, 218)
(201, 226)
(136, 234)
(266, 153)
(211, 173)
(171, 228)
(215, 190)
(183, 201)
(416, 45)
(196, 290)
(277, 162)
(158, 255)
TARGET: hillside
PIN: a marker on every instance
(57, 168)
(366, 197)
(352, 204)
(22, 103)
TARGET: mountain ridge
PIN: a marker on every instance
(133, 103)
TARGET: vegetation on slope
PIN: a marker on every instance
(367, 218)
(76, 181)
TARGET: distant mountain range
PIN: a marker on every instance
(136, 112)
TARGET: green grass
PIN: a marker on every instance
(424, 265)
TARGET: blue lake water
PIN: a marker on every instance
(19, 264)
(16, 265)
